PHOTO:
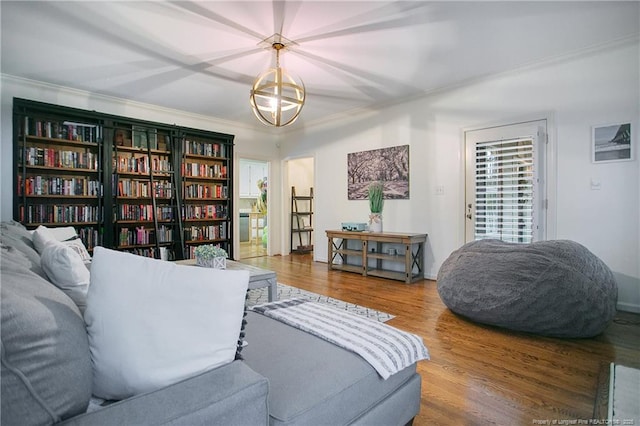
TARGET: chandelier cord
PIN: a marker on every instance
(277, 46)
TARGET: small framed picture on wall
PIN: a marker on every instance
(611, 142)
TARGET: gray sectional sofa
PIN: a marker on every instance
(287, 377)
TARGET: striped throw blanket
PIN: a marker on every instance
(386, 348)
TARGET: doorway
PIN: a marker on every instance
(505, 183)
(253, 208)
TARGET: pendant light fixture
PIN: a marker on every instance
(276, 98)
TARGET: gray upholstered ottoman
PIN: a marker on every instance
(553, 288)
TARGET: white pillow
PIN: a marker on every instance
(78, 246)
(41, 237)
(63, 233)
(67, 235)
(152, 323)
(66, 270)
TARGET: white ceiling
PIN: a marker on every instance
(202, 57)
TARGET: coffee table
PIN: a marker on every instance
(258, 277)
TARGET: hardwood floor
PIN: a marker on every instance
(247, 250)
(477, 374)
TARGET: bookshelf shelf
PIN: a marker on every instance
(63, 197)
(142, 150)
(54, 224)
(57, 170)
(59, 142)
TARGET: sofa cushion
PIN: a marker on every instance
(46, 368)
(66, 270)
(152, 323)
(312, 381)
(16, 236)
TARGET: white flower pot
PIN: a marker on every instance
(375, 222)
(214, 262)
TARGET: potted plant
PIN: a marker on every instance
(376, 202)
(211, 256)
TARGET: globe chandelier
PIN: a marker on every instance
(276, 98)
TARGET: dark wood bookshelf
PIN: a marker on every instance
(149, 156)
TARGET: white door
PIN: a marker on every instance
(505, 185)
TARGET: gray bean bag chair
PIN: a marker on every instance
(553, 288)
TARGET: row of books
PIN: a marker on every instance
(205, 148)
(143, 137)
(190, 253)
(216, 170)
(67, 130)
(89, 236)
(141, 235)
(143, 212)
(150, 252)
(208, 232)
(52, 213)
(51, 157)
(137, 188)
(206, 191)
(47, 185)
(208, 211)
(140, 164)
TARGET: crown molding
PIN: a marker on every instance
(539, 64)
(214, 122)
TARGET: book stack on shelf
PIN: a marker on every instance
(67, 130)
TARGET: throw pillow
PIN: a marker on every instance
(78, 246)
(43, 236)
(65, 268)
(152, 323)
(63, 233)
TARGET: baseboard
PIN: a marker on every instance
(628, 307)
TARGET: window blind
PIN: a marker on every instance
(505, 190)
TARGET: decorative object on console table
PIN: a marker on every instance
(353, 226)
(211, 256)
(376, 202)
(57, 169)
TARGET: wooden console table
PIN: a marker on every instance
(370, 253)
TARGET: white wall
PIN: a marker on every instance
(247, 140)
(576, 93)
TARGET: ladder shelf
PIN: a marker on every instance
(301, 221)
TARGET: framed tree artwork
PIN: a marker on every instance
(611, 142)
(387, 165)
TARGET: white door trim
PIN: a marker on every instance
(550, 172)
